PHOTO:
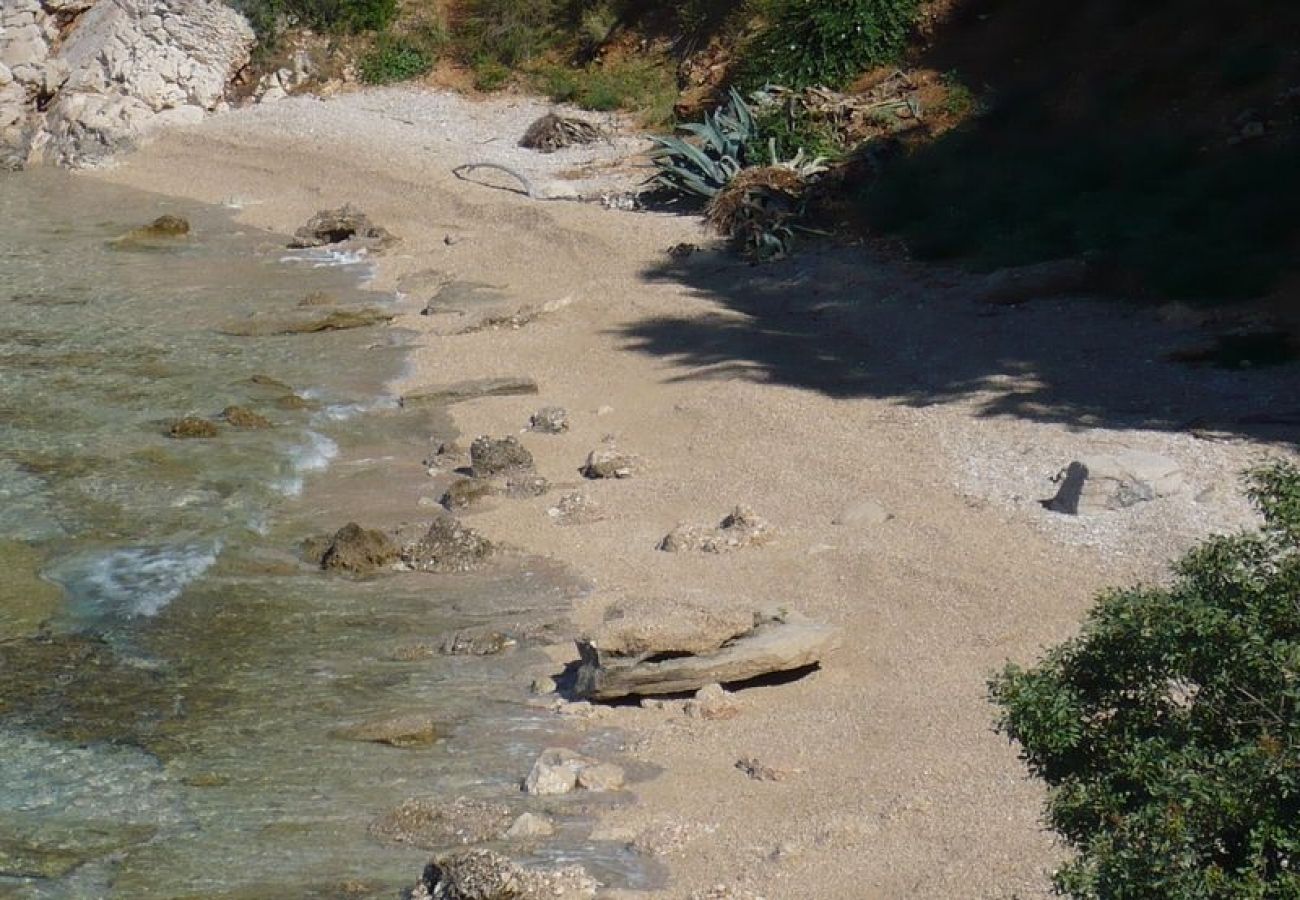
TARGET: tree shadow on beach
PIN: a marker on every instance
(839, 322)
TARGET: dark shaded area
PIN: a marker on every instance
(833, 320)
(1159, 139)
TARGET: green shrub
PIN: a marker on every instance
(646, 86)
(505, 32)
(268, 17)
(827, 42)
(1168, 732)
(394, 59)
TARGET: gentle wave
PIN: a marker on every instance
(131, 582)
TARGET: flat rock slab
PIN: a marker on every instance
(1103, 483)
(460, 391)
(774, 646)
(311, 321)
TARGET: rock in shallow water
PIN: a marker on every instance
(242, 417)
(561, 771)
(336, 226)
(486, 875)
(433, 825)
(409, 730)
(360, 551)
(191, 427)
(448, 547)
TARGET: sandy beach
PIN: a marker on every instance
(897, 436)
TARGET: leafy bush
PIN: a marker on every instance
(647, 86)
(394, 59)
(828, 42)
(1168, 732)
(268, 17)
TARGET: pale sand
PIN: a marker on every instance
(898, 786)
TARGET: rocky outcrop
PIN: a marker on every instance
(1094, 484)
(346, 225)
(662, 655)
(448, 547)
(82, 80)
(360, 551)
(741, 528)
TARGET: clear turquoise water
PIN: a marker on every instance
(166, 730)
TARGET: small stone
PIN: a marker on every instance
(601, 777)
(759, 771)
(476, 643)
(487, 875)
(241, 417)
(575, 509)
(555, 772)
(549, 420)
(431, 824)
(466, 492)
(162, 227)
(741, 528)
(191, 427)
(609, 463)
(543, 685)
(448, 547)
(493, 456)
(530, 825)
(360, 551)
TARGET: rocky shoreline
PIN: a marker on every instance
(695, 387)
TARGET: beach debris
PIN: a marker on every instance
(310, 320)
(347, 224)
(609, 463)
(190, 427)
(494, 456)
(487, 875)
(555, 132)
(460, 391)
(359, 551)
(529, 826)
(560, 771)
(674, 648)
(430, 824)
(549, 420)
(448, 547)
(407, 730)
(759, 771)
(1104, 483)
(466, 492)
(242, 417)
(741, 528)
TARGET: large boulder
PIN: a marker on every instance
(78, 94)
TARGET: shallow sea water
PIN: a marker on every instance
(171, 673)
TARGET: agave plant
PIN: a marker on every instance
(716, 155)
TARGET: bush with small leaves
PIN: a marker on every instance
(1168, 732)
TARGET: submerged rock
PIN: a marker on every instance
(359, 551)
(742, 528)
(560, 771)
(476, 642)
(242, 417)
(530, 826)
(434, 825)
(192, 427)
(308, 321)
(460, 391)
(164, 229)
(495, 456)
(410, 730)
(50, 849)
(26, 598)
(487, 875)
(448, 547)
(347, 224)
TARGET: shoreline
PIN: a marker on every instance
(893, 783)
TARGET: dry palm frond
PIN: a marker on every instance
(758, 208)
(554, 132)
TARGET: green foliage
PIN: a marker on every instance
(646, 86)
(786, 128)
(1168, 732)
(508, 33)
(269, 17)
(1188, 223)
(393, 59)
(828, 42)
(723, 141)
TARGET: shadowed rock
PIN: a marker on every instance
(346, 224)
(771, 644)
(609, 463)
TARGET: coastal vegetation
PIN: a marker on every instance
(1167, 731)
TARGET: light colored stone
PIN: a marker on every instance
(742, 528)
(529, 826)
(1094, 484)
(609, 463)
(669, 626)
(600, 777)
(410, 730)
(555, 772)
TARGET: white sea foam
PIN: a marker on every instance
(134, 581)
(313, 455)
(326, 258)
